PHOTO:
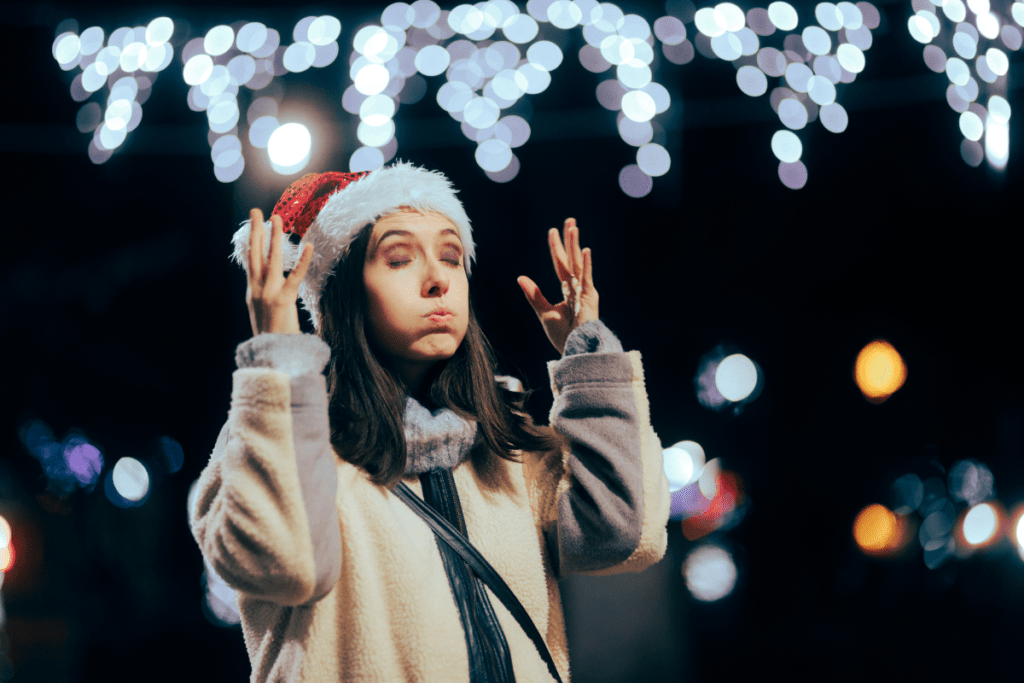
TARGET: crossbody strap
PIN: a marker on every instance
(447, 533)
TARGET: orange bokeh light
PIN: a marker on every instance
(878, 531)
(879, 371)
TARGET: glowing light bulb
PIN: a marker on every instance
(874, 528)
(710, 573)
(131, 479)
(980, 524)
(879, 371)
(736, 377)
(289, 147)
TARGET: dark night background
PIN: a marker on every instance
(120, 313)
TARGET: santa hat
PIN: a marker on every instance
(329, 210)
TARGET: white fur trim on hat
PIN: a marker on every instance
(349, 210)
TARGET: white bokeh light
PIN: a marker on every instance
(816, 40)
(544, 54)
(988, 25)
(66, 49)
(375, 136)
(997, 61)
(821, 90)
(299, 56)
(971, 125)
(786, 146)
(638, 105)
(957, 70)
(218, 40)
(980, 524)
(954, 10)
(564, 14)
(118, 113)
(288, 148)
(110, 138)
(829, 16)
(683, 463)
(376, 110)
(751, 81)
(834, 117)
(198, 69)
(736, 375)
(261, 129)
(920, 29)
(521, 29)
(324, 30)
(798, 75)
(372, 79)
(999, 108)
(159, 31)
(850, 57)
(792, 113)
(727, 46)
(997, 142)
(782, 15)
(251, 37)
(366, 159)
(710, 572)
(493, 155)
(653, 159)
(131, 479)
(432, 60)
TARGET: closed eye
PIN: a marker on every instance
(454, 263)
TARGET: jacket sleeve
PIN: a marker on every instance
(602, 499)
(265, 516)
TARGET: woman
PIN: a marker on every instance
(337, 579)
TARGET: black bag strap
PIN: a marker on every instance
(447, 533)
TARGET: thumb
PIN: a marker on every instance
(533, 295)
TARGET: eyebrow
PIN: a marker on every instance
(406, 233)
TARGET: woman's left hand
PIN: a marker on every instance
(575, 271)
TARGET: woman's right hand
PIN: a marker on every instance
(270, 296)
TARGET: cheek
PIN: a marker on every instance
(390, 305)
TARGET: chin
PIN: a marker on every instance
(433, 347)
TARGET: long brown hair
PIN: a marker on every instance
(366, 398)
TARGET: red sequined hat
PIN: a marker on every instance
(300, 204)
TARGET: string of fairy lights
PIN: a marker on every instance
(492, 54)
(968, 43)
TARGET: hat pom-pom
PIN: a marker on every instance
(289, 253)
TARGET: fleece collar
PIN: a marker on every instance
(438, 439)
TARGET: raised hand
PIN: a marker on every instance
(574, 270)
(270, 296)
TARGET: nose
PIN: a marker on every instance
(436, 281)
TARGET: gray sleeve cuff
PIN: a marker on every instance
(293, 354)
(592, 337)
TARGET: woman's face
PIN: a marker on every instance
(414, 266)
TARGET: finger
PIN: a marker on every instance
(534, 296)
(276, 268)
(572, 239)
(558, 255)
(588, 269)
(256, 245)
(299, 271)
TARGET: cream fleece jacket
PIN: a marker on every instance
(337, 580)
